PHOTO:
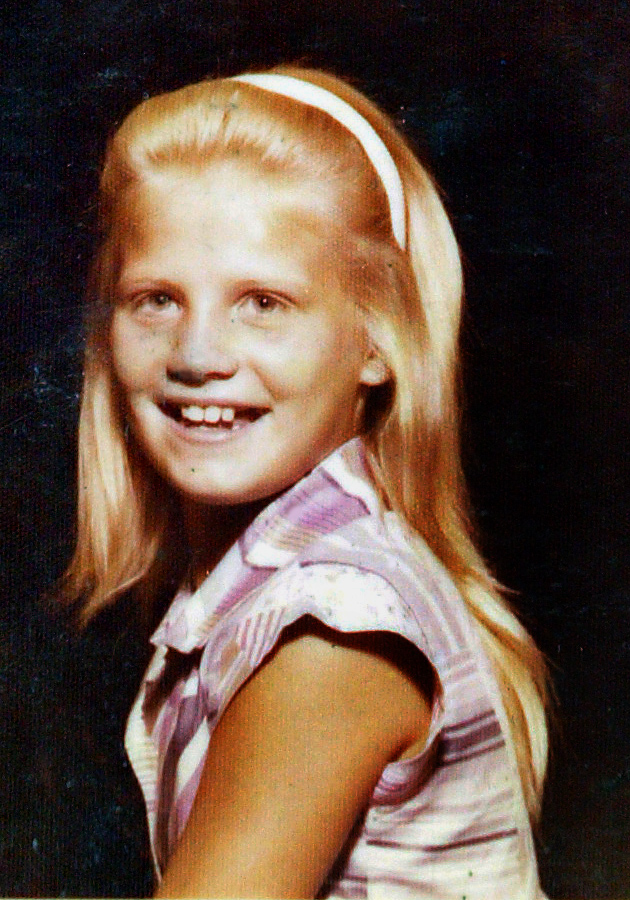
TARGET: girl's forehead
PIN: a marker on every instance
(231, 197)
(235, 190)
(233, 211)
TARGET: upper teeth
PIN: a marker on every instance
(210, 414)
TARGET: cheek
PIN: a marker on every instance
(309, 358)
(290, 373)
(136, 353)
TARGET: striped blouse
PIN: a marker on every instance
(448, 823)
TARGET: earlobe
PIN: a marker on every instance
(375, 370)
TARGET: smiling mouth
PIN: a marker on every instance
(225, 418)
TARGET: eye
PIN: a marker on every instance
(263, 302)
(152, 306)
(155, 299)
(260, 306)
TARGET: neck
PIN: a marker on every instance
(211, 531)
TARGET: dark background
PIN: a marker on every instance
(523, 111)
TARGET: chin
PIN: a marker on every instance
(213, 492)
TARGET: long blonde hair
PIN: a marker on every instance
(412, 301)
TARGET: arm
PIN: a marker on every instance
(293, 762)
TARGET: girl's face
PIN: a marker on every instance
(241, 363)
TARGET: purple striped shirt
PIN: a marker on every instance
(448, 823)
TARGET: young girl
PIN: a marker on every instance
(340, 703)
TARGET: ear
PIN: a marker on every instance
(375, 370)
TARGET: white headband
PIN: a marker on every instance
(376, 151)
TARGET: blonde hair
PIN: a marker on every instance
(412, 301)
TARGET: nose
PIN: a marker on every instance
(201, 353)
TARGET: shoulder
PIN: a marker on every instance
(345, 592)
(363, 579)
(366, 576)
(342, 596)
(398, 580)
